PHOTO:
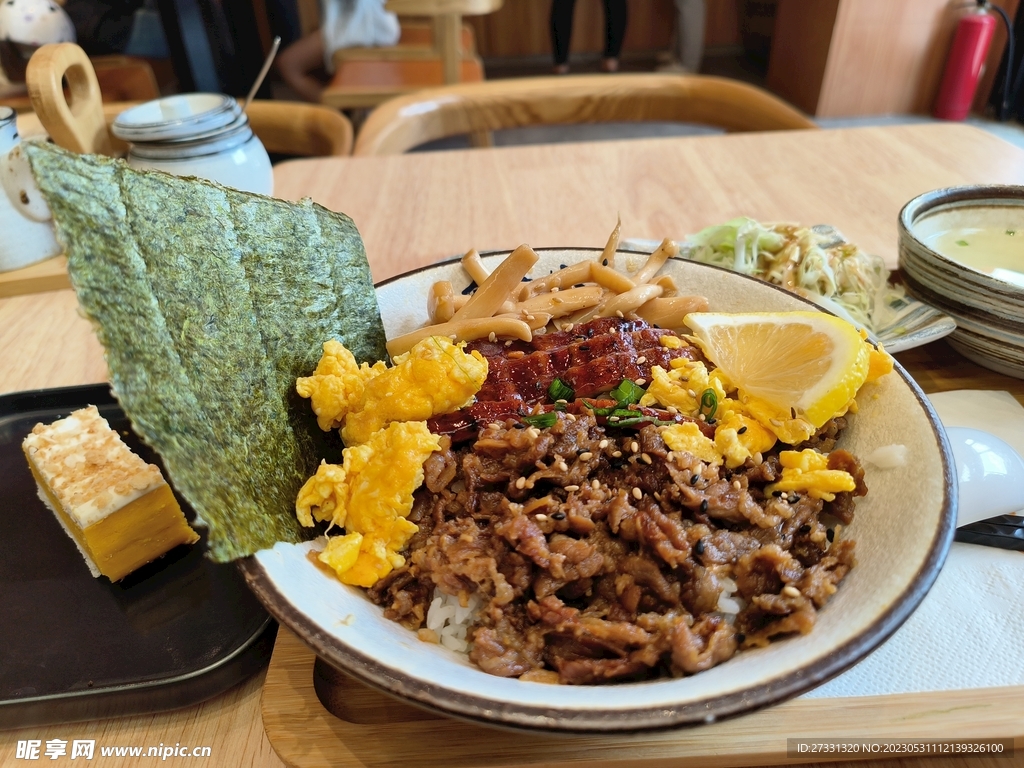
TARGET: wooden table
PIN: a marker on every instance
(414, 209)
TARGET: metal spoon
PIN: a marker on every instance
(263, 73)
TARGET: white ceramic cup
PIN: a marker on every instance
(197, 134)
(26, 231)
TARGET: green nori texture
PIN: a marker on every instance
(209, 303)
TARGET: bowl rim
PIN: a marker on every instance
(709, 709)
(956, 197)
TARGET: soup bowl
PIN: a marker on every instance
(961, 250)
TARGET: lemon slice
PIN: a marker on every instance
(809, 361)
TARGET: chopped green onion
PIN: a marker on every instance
(559, 390)
(643, 419)
(1011, 232)
(962, 242)
(542, 420)
(627, 393)
(708, 403)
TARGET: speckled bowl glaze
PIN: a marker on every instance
(989, 312)
(903, 529)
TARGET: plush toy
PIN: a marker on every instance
(24, 26)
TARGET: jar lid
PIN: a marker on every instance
(175, 118)
(221, 140)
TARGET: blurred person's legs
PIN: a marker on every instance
(615, 17)
(299, 61)
(561, 32)
(688, 45)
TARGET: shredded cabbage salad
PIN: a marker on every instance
(842, 278)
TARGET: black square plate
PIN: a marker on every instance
(73, 647)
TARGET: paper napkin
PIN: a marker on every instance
(968, 630)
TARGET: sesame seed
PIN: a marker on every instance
(491, 336)
(673, 410)
(516, 355)
(691, 393)
(637, 493)
(567, 327)
(570, 417)
(793, 499)
(571, 488)
(640, 382)
(830, 534)
(657, 496)
(561, 400)
(562, 467)
(702, 417)
(521, 483)
(646, 458)
(698, 548)
(554, 289)
(586, 456)
(533, 432)
(775, 422)
(540, 331)
(758, 458)
(530, 317)
(595, 484)
(613, 418)
(805, 529)
(558, 516)
(542, 517)
(508, 343)
(494, 425)
(694, 478)
(790, 591)
(603, 444)
(704, 505)
(634, 446)
(618, 313)
(616, 454)
(557, 299)
(741, 430)
(641, 360)
(736, 484)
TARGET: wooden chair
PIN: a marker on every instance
(365, 79)
(83, 123)
(474, 108)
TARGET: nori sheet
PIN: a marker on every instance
(209, 303)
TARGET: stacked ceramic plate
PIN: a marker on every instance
(962, 251)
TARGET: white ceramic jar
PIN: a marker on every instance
(197, 134)
(26, 232)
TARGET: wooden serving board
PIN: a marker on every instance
(49, 275)
(371, 730)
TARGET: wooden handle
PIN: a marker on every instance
(78, 125)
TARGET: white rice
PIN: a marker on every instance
(450, 620)
(888, 456)
(728, 604)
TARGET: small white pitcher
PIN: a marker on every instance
(26, 231)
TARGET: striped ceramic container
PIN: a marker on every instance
(989, 311)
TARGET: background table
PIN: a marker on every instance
(414, 209)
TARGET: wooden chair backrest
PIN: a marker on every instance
(407, 121)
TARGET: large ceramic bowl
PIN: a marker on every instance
(903, 529)
(984, 294)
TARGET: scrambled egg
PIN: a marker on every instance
(432, 378)
(370, 495)
(382, 413)
(336, 387)
(738, 435)
(807, 472)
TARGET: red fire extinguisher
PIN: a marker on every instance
(966, 59)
